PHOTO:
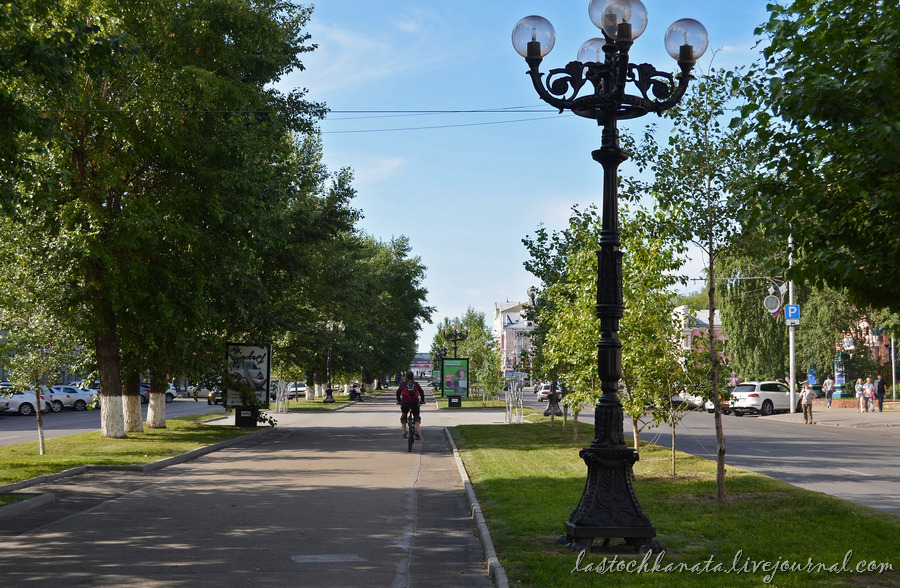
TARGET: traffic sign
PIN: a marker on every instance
(792, 314)
(772, 304)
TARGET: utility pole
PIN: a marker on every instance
(792, 331)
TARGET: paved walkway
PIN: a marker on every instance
(327, 499)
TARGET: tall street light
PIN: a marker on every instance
(594, 87)
(330, 325)
(455, 333)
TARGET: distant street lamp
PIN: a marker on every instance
(330, 325)
(609, 507)
(455, 333)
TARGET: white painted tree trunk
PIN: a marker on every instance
(131, 408)
(156, 411)
(112, 418)
(39, 403)
(311, 392)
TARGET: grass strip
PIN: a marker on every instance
(22, 461)
(471, 402)
(529, 478)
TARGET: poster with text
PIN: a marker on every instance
(455, 377)
(247, 381)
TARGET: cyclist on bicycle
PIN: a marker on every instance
(409, 396)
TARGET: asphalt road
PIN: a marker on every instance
(857, 464)
(15, 428)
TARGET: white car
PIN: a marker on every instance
(543, 392)
(70, 397)
(297, 390)
(763, 398)
(21, 402)
(144, 390)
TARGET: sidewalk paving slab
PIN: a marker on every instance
(326, 499)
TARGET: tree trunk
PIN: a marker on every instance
(714, 374)
(112, 421)
(636, 433)
(131, 405)
(672, 425)
(40, 421)
(156, 410)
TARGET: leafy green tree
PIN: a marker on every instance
(650, 344)
(829, 118)
(479, 347)
(142, 202)
(698, 182)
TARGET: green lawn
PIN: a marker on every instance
(22, 461)
(472, 402)
(529, 478)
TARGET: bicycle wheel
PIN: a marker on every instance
(410, 430)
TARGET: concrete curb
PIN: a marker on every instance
(28, 505)
(147, 467)
(495, 568)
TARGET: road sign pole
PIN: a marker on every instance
(791, 333)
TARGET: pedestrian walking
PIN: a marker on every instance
(859, 394)
(869, 394)
(828, 389)
(880, 391)
(806, 399)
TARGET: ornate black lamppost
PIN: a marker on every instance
(455, 333)
(594, 87)
(330, 325)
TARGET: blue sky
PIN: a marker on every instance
(467, 187)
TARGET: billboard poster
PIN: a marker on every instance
(247, 381)
(455, 377)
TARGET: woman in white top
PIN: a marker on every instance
(860, 394)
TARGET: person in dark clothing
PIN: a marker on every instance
(409, 396)
(879, 393)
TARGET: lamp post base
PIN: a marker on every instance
(609, 507)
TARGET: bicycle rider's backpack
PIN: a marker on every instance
(408, 394)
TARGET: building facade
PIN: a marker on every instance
(512, 332)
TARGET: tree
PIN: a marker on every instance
(479, 347)
(134, 185)
(698, 181)
(829, 118)
(567, 312)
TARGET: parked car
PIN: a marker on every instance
(296, 390)
(710, 407)
(145, 393)
(22, 402)
(71, 397)
(543, 393)
(214, 396)
(763, 398)
(689, 401)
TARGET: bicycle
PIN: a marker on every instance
(410, 429)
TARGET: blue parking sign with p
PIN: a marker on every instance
(792, 311)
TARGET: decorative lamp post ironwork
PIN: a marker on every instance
(330, 325)
(594, 86)
(455, 333)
